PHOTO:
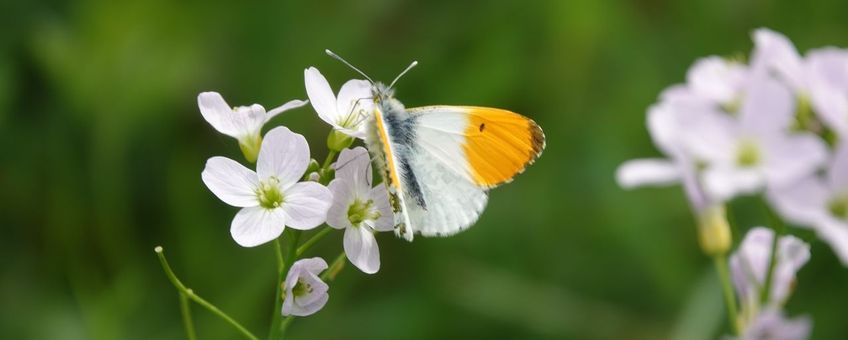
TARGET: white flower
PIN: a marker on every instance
(243, 123)
(348, 112)
(359, 209)
(747, 153)
(821, 76)
(771, 324)
(821, 203)
(305, 293)
(271, 198)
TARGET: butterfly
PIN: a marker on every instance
(439, 162)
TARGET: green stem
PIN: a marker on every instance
(334, 269)
(277, 328)
(727, 289)
(185, 310)
(778, 227)
(278, 300)
(197, 299)
(315, 238)
(328, 160)
(285, 324)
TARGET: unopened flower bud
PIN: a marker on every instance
(714, 231)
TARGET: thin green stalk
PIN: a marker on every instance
(285, 324)
(335, 268)
(185, 310)
(197, 299)
(278, 300)
(328, 160)
(278, 251)
(315, 238)
(778, 227)
(727, 289)
(277, 329)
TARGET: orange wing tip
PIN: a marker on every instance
(500, 145)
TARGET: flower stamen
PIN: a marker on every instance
(269, 194)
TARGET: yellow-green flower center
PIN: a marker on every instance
(748, 154)
(839, 207)
(269, 194)
(360, 211)
(301, 288)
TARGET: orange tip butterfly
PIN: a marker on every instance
(438, 162)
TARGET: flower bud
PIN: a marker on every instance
(714, 231)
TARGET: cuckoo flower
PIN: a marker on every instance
(820, 77)
(359, 209)
(243, 123)
(271, 198)
(347, 112)
(305, 293)
(754, 149)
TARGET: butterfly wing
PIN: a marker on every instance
(440, 161)
(485, 145)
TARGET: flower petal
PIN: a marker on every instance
(803, 203)
(250, 120)
(299, 310)
(715, 78)
(772, 324)
(380, 196)
(318, 287)
(218, 113)
(768, 107)
(789, 158)
(353, 104)
(773, 51)
(321, 95)
(640, 172)
(290, 105)
(314, 265)
(284, 154)
(231, 182)
(305, 205)
(831, 105)
(343, 197)
(256, 225)
(838, 172)
(354, 165)
(835, 233)
(361, 249)
(724, 183)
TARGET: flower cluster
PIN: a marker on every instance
(290, 190)
(774, 127)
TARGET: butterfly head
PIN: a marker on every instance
(382, 93)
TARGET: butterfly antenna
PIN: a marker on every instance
(414, 63)
(336, 56)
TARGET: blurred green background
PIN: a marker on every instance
(103, 146)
